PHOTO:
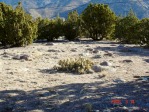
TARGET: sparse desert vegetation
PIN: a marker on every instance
(81, 64)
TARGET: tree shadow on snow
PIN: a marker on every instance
(125, 50)
(77, 98)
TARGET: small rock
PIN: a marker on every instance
(34, 82)
(144, 78)
(96, 68)
(6, 54)
(97, 111)
(119, 80)
(12, 73)
(52, 50)
(127, 61)
(52, 91)
(98, 47)
(77, 39)
(52, 44)
(113, 45)
(97, 56)
(136, 76)
(72, 42)
(120, 46)
(147, 60)
(105, 63)
(22, 57)
(25, 57)
(90, 71)
(90, 49)
(107, 110)
(85, 54)
(124, 107)
(120, 109)
(95, 51)
(101, 76)
(17, 57)
(107, 68)
(2, 100)
(40, 49)
(87, 46)
(108, 54)
(73, 50)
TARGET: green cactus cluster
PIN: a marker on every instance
(75, 65)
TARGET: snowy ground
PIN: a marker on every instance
(33, 86)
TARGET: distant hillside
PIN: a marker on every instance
(51, 8)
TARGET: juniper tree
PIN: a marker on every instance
(72, 27)
(55, 29)
(99, 21)
(125, 30)
(142, 32)
(43, 29)
(17, 27)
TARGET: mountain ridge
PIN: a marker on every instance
(52, 8)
